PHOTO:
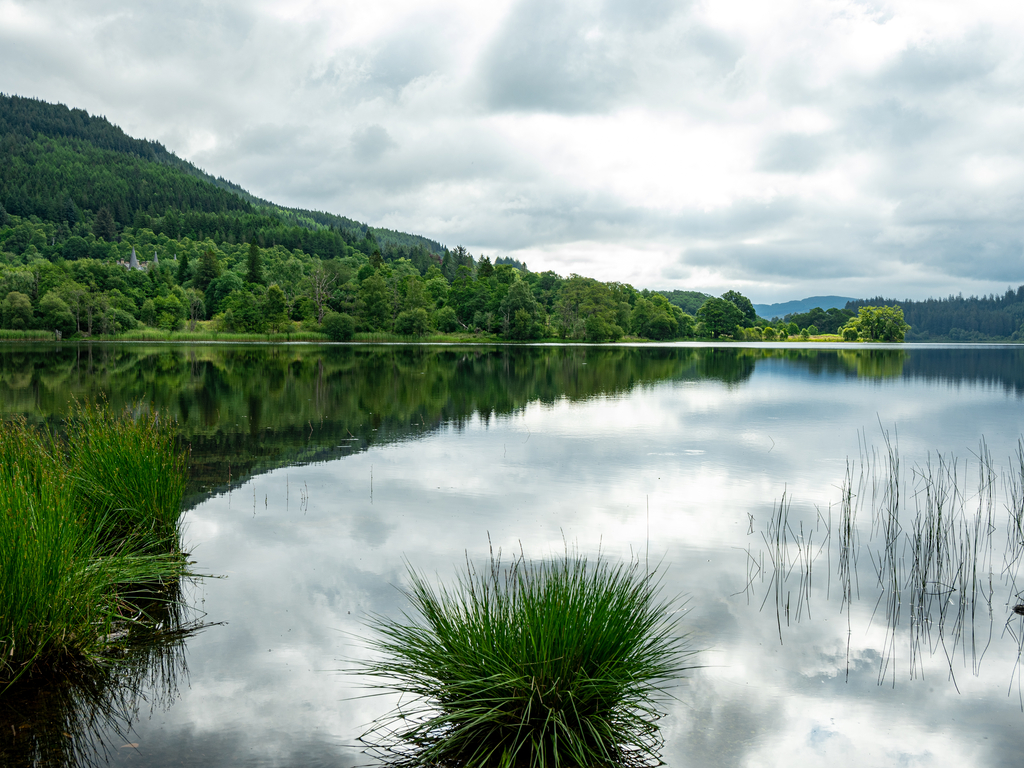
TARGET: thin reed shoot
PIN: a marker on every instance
(540, 664)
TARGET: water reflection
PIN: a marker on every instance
(247, 409)
(926, 561)
(360, 457)
(88, 719)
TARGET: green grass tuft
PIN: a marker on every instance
(88, 529)
(555, 663)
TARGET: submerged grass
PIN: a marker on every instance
(88, 529)
(538, 664)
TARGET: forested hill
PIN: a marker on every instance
(102, 233)
(976, 318)
(64, 165)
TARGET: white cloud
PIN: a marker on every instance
(793, 148)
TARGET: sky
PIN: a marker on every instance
(784, 149)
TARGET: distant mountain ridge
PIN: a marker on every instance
(768, 311)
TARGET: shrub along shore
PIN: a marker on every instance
(89, 538)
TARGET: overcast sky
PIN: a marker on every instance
(785, 149)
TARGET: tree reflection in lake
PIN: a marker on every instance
(682, 448)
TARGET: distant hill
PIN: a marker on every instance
(768, 311)
(63, 164)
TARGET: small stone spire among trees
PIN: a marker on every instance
(156, 259)
(133, 262)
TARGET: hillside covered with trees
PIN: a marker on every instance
(105, 234)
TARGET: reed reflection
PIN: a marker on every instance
(83, 718)
(924, 567)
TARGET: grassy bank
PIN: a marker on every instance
(88, 535)
(558, 663)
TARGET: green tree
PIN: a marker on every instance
(412, 322)
(446, 320)
(720, 317)
(519, 298)
(275, 307)
(75, 248)
(687, 329)
(581, 300)
(148, 313)
(171, 225)
(339, 326)
(742, 303)
(104, 225)
(484, 268)
(207, 271)
(55, 315)
(218, 291)
(254, 265)
(415, 294)
(653, 318)
(196, 307)
(879, 324)
(17, 311)
(183, 271)
(69, 211)
(522, 326)
(169, 312)
(376, 302)
(242, 313)
(437, 289)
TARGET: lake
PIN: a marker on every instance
(847, 609)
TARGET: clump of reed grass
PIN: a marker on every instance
(540, 664)
(128, 472)
(87, 527)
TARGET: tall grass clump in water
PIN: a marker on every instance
(556, 663)
(128, 473)
(79, 548)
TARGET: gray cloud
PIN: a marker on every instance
(795, 153)
(555, 57)
(369, 144)
(533, 129)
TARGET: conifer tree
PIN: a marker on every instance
(207, 272)
(183, 273)
(254, 272)
(104, 225)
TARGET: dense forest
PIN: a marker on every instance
(955, 318)
(105, 234)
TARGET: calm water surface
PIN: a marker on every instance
(320, 470)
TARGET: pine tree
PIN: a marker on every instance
(69, 211)
(104, 225)
(183, 273)
(484, 268)
(254, 273)
(207, 272)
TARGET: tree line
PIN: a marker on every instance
(78, 197)
(956, 318)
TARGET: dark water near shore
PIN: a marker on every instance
(317, 469)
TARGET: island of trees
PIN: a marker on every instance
(102, 234)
